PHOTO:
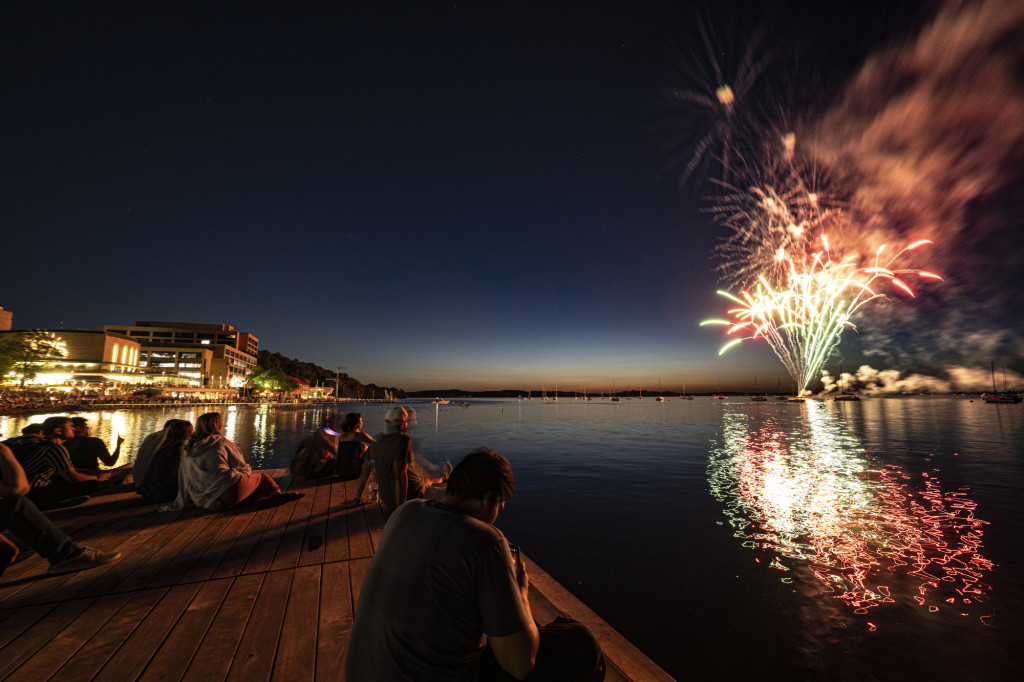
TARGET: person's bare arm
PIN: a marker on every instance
(401, 482)
(73, 475)
(110, 458)
(517, 653)
(12, 477)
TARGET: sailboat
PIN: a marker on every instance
(778, 389)
(844, 395)
(686, 396)
(757, 398)
(659, 399)
(1000, 397)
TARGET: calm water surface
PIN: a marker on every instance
(731, 539)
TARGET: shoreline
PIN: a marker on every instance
(72, 408)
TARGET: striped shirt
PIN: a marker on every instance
(43, 462)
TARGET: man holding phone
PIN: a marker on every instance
(442, 578)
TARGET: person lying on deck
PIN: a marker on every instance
(215, 476)
(442, 578)
(28, 524)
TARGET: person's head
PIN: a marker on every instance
(483, 475)
(35, 430)
(353, 422)
(397, 419)
(208, 424)
(58, 428)
(81, 426)
(169, 422)
(179, 430)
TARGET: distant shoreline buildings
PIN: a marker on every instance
(188, 356)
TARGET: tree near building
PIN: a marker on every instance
(271, 380)
(29, 351)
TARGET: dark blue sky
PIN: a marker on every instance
(429, 194)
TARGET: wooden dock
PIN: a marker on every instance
(245, 594)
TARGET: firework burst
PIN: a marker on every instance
(803, 320)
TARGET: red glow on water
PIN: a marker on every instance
(869, 535)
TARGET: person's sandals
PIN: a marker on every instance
(278, 499)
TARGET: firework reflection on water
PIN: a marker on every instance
(875, 538)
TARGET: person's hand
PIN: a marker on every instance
(522, 578)
(103, 476)
(120, 439)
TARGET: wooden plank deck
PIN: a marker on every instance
(245, 594)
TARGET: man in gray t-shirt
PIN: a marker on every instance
(443, 599)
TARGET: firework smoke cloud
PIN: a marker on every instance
(924, 144)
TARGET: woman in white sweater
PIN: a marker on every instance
(214, 474)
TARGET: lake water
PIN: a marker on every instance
(729, 539)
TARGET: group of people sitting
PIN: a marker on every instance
(56, 463)
(443, 598)
(186, 466)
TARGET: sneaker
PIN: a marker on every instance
(89, 558)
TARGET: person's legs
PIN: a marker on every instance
(265, 488)
(568, 652)
(35, 530)
(249, 488)
(60, 491)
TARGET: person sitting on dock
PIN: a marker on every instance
(352, 447)
(31, 526)
(215, 476)
(147, 449)
(53, 479)
(160, 483)
(317, 453)
(399, 477)
(29, 437)
(87, 451)
(442, 578)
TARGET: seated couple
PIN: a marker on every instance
(214, 474)
(352, 454)
(333, 449)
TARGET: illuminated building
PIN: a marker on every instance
(212, 355)
(83, 357)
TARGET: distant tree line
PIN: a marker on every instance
(274, 367)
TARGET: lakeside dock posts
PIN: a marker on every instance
(241, 594)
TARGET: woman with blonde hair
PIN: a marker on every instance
(215, 476)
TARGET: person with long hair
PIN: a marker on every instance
(160, 484)
(352, 447)
(214, 474)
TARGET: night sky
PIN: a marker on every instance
(430, 195)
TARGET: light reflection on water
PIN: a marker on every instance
(734, 540)
(871, 533)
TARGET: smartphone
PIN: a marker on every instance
(515, 553)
